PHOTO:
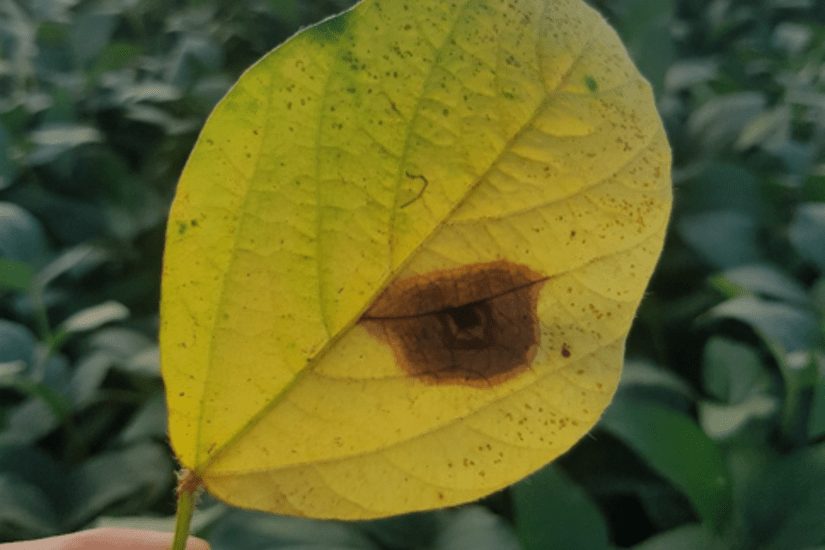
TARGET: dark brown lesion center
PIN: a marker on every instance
(467, 326)
(472, 325)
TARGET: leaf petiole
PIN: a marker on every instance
(189, 486)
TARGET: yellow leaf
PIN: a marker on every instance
(405, 254)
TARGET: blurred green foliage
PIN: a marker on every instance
(716, 439)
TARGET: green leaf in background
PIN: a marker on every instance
(807, 232)
(30, 484)
(784, 327)
(721, 186)
(34, 418)
(417, 530)
(732, 371)
(780, 504)
(679, 450)
(15, 275)
(148, 423)
(701, 232)
(734, 375)
(722, 119)
(816, 425)
(91, 32)
(476, 528)
(17, 345)
(245, 530)
(52, 140)
(111, 481)
(640, 376)
(802, 407)
(288, 10)
(21, 235)
(722, 421)
(684, 73)
(9, 166)
(686, 537)
(790, 333)
(25, 511)
(645, 28)
(95, 317)
(764, 279)
(553, 512)
(84, 257)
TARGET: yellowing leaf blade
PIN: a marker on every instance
(401, 144)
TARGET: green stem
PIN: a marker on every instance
(188, 487)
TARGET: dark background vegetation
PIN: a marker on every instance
(717, 437)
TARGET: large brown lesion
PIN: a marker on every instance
(474, 325)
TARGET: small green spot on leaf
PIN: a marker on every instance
(591, 83)
(182, 228)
